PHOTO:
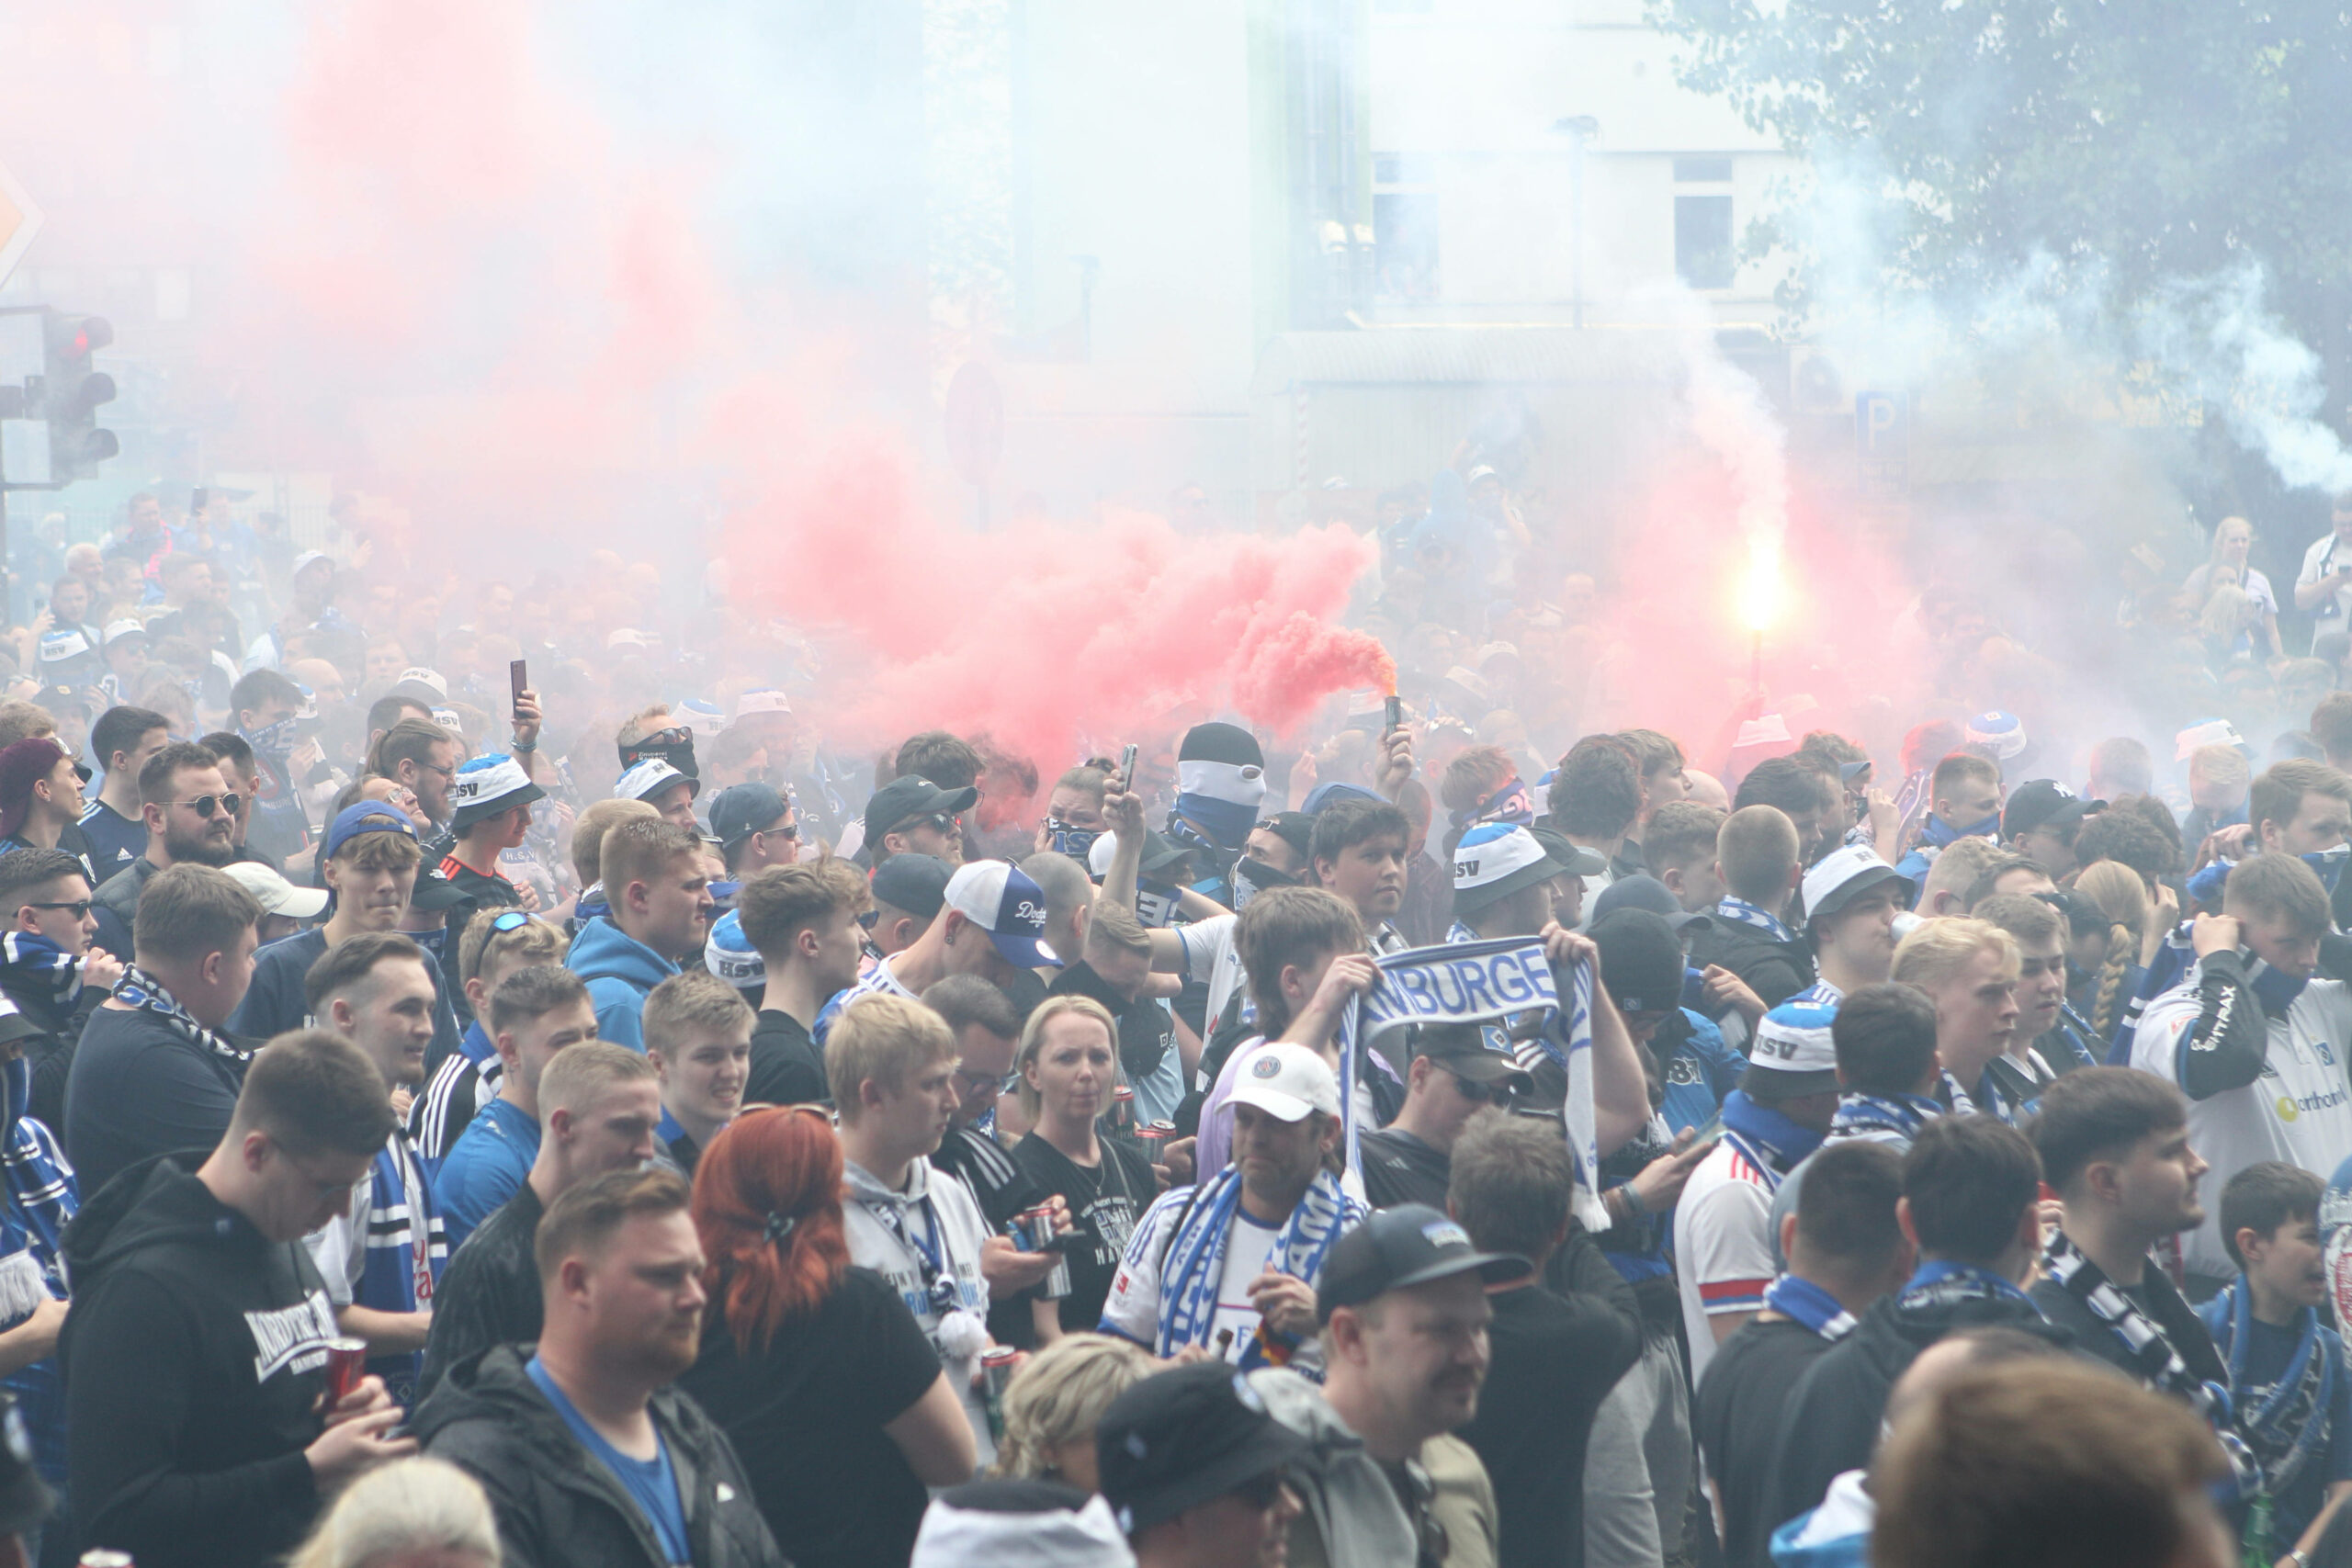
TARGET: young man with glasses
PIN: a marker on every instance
(1457, 1071)
(757, 827)
(369, 868)
(191, 816)
(49, 972)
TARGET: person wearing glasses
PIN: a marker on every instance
(191, 816)
(48, 970)
(369, 869)
(757, 827)
(423, 757)
(1456, 1072)
(1196, 1470)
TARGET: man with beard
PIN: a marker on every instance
(191, 817)
(583, 1444)
(383, 1255)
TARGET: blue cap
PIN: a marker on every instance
(368, 816)
(1324, 793)
(999, 898)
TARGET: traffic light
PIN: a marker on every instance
(71, 394)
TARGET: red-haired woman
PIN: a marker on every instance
(831, 1393)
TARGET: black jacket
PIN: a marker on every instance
(1831, 1421)
(558, 1505)
(193, 1355)
(1774, 970)
(117, 902)
(489, 1293)
(2164, 1304)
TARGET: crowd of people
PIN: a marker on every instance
(489, 1081)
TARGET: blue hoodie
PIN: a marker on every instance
(619, 971)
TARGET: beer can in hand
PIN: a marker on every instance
(996, 1375)
(346, 1364)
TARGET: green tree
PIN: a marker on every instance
(2152, 140)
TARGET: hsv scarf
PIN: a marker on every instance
(1747, 914)
(1882, 1118)
(2290, 1426)
(1808, 1304)
(1194, 1262)
(40, 978)
(140, 989)
(1481, 982)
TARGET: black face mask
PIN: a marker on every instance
(679, 754)
(1252, 876)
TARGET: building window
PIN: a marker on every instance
(1702, 254)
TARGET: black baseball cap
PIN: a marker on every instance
(917, 883)
(1186, 1437)
(744, 809)
(2045, 803)
(1463, 1050)
(1411, 1244)
(434, 891)
(1641, 960)
(911, 796)
(1295, 828)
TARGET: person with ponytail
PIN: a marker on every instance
(817, 1369)
(2133, 937)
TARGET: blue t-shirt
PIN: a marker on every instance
(651, 1481)
(1699, 1070)
(490, 1160)
(2269, 1349)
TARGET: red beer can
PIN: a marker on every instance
(346, 1364)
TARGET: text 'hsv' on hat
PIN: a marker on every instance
(486, 785)
(1001, 900)
(730, 956)
(1793, 1054)
(1844, 874)
(1397, 1248)
(910, 796)
(1493, 861)
(1287, 1082)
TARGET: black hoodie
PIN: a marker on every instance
(1831, 1421)
(194, 1360)
(559, 1506)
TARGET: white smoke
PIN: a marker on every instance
(2214, 339)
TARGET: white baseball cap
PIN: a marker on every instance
(273, 893)
(1792, 1053)
(1285, 1081)
(1845, 873)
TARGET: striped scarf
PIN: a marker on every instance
(1195, 1259)
(40, 978)
(2291, 1425)
(1802, 1300)
(1881, 1118)
(2160, 1365)
(1742, 912)
(140, 989)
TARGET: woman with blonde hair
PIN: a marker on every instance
(1053, 1402)
(816, 1370)
(2138, 926)
(2233, 545)
(411, 1513)
(1067, 1067)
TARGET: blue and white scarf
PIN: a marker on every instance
(140, 989)
(2291, 1425)
(1802, 1300)
(41, 1197)
(1195, 1262)
(1765, 1138)
(1481, 982)
(2175, 958)
(1512, 803)
(40, 978)
(1882, 1118)
(1742, 912)
(1940, 1285)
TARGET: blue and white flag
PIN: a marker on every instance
(1484, 982)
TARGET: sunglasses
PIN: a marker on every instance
(868, 919)
(204, 804)
(676, 735)
(80, 907)
(509, 920)
(1477, 1093)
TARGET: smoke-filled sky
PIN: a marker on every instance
(555, 274)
